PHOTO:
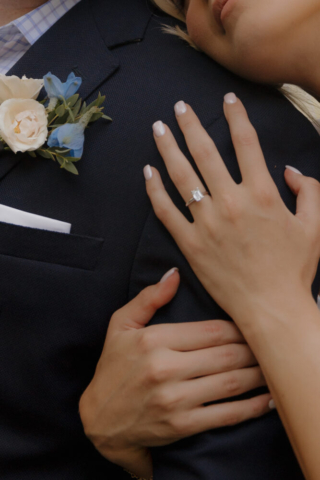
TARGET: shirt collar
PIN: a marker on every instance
(35, 23)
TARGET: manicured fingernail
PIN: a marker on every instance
(168, 274)
(159, 129)
(272, 405)
(180, 108)
(147, 172)
(293, 169)
(230, 98)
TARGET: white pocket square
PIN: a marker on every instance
(26, 219)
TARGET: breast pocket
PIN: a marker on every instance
(78, 251)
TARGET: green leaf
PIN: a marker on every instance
(57, 150)
(61, 110)
(92, 104)
(71, 168)
(76, 108)
(56, 125)
(73, 100)
(60, 151)
(84, 106)
(102, 100)
(32, 154)
(61, 160)
(44, 153)
(105, 117)
(51, 116)
(96, 116)
(62, 120)
(70, 118)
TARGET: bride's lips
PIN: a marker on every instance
(221, 10)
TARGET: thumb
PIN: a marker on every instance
(307, 190)
(137, 313)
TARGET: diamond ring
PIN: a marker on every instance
(197, 196)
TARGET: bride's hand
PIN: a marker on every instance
(244, 245)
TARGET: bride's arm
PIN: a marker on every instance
(286, 341)
(255, 258)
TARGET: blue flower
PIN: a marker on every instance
(55, 88)
(69, 136)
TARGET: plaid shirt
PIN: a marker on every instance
(17, 37)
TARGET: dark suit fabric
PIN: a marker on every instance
(58, 292)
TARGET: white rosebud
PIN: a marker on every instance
(23, 124)
(15, 87)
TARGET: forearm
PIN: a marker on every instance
(288, 350)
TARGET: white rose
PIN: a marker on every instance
(15, 87)
(23, 124)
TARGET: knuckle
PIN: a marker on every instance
(193, 245)
(257, 406)
(117, 316)
(188, 123)
(180, 177)
(157, 372)
(203, 151)
(232, 209)
(83, 412)
(179, 426)
(246, 137)
(148, 342)
(232, 418)
(211, 228)
(214, 331)
(165, 402)
(161, 211)
(87, 412)
(232, 385)
(230, 356)
(266, 196)
(312, 182)
(144, 296)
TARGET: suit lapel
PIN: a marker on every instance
(79, 42)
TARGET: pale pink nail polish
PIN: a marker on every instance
(168, 274)
(230, 98)
(293, 169)
(158, 129)
(147, 172)
(272, 405)
(180, 108)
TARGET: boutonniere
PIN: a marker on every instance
(53, 128)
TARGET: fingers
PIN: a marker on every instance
(227, 414)
(217, 359)
(137, 313)
(221, 386)
(179, 168)
(185, 337)
(245, 140)
(203, 149)
(308, 191)
(164, 208)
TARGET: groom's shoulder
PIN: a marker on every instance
(163, 66)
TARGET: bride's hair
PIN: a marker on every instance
(304, 102)
(175, 9)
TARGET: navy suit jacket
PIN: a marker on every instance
(58, 291)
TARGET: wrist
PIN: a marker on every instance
(136, 461)
(278, 314)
